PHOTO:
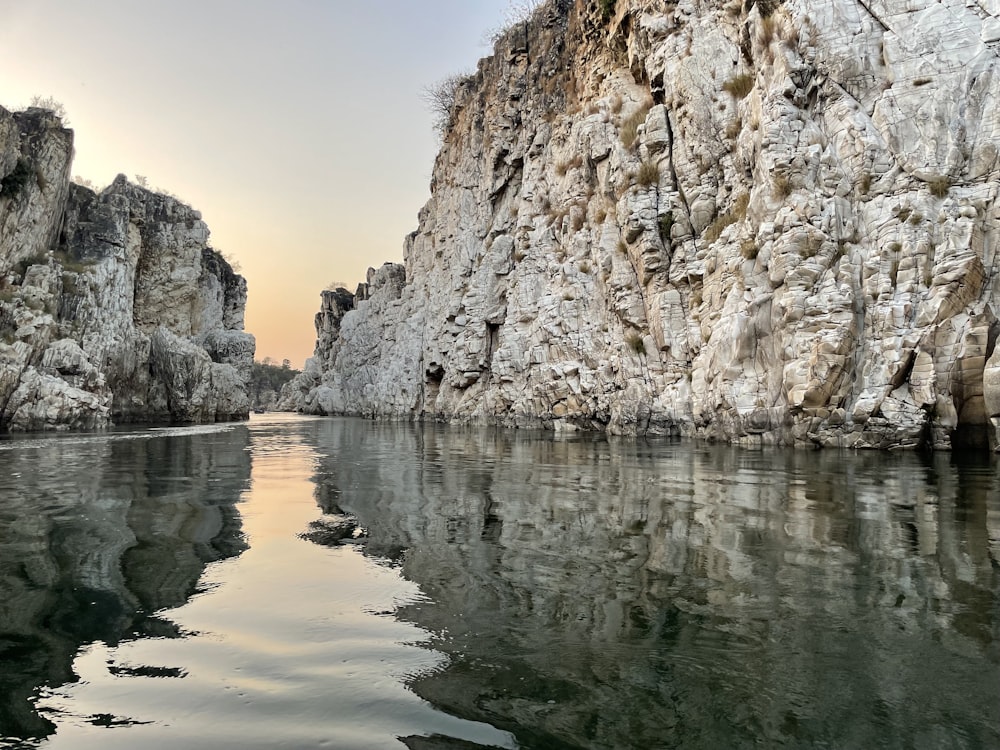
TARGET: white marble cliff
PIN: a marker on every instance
(113, 307)
(765, 223)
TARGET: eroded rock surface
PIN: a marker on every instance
(755, 222)
(113, 307)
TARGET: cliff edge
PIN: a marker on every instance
(113, 307)
(759, 222)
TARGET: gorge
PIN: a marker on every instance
(756, 222)
(113, 306)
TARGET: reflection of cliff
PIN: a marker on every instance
(659, 595)
(96, 535)
(755, 221)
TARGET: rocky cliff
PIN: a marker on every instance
(761, 222)
(113, 307)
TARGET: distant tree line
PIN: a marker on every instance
(267, 379)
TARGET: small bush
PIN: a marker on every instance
(53, 105)
(636, 343)
(767, 31)
(622, 247)
(865, 184)
(738, 212)
(71, 264)
(630, 125)
(607, 9)
(782, 186)
(441, 97)
(648, 174)
(71, 283)
(740, 206)
(767, 7)
(792, 40)
(939, 186)
(562, 167)
(584, 267)
(749, 249)
(739, 85)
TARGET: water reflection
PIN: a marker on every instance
(97, 534)
(623, 594)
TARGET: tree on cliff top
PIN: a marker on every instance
(440, 98)
(518, 11)
(52, 105)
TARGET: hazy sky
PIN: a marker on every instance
(295, 126)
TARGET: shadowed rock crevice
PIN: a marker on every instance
(113, 306)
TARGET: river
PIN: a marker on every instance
(297, 582)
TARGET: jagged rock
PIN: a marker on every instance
(765, 226)
(112, 306)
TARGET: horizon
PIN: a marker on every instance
(319, 184)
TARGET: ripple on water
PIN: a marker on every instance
(509, 589)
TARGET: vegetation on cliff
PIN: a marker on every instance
(267, 379)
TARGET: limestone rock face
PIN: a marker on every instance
(765, 223)
(113, 307)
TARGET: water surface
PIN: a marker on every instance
(299, 582)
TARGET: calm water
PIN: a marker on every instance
(308, 583)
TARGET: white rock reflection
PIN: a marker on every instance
(646, 594)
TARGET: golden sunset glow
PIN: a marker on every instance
(297, 129)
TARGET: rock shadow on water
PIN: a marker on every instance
(638, 593)
(439, 742)
(98, 537)
(333, 531)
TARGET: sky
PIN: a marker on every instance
(296, 127)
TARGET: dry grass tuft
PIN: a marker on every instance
(630, 125)
(648, 174)
(739, 85)
(939, 186)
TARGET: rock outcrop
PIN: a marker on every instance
(113, 307)
(761, 222)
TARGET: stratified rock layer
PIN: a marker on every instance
(112, 305)
(761, 223)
